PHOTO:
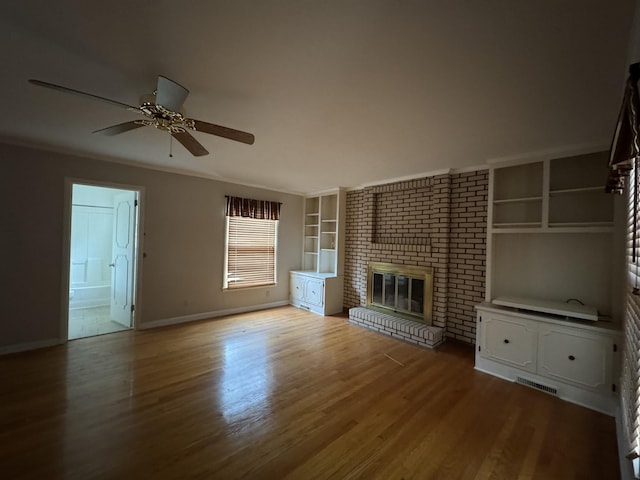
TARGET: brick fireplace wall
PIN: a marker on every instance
(437, 221)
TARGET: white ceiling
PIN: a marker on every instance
(336, 92)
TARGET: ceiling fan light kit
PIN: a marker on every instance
(162, 109)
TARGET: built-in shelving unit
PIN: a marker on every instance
(550, 231)
(551, 194)
(318, 286)
(551, 237)
(311, 233)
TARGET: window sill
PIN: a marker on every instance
(249, 287)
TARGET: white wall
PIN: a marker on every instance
(183, 242)
(555, 267)
(91, 234)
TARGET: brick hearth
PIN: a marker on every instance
(400, 328)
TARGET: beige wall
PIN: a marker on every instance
(184, 242)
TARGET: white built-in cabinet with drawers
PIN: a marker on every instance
(575, 360)
(552, 235)
(318, 286)
(320, 293)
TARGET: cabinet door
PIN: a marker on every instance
(576, 357)
(314, 291)
(297, 287)
(509, 341)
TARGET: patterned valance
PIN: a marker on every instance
(625, 147)
(247, 207)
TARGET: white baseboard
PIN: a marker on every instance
(203, 316)
(23, 347)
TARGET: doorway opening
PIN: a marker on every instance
(103, 254)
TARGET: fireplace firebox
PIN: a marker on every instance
(405, 290)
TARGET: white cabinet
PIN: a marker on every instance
(509, 340)
(318, 286)
(577, 357)
(296, 287)
(551, 240)
(575, 360)
(318, 293)
(314, 291)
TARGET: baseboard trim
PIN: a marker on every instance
(165, 322)
(23, 347)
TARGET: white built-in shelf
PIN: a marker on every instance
(527, 225)
(324, 233)
(584, 312)
(551, 196)
(581, 224)
(597, 189)
(554, 229)
(517, 200)
(556, 242)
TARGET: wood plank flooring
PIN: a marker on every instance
(281, 394)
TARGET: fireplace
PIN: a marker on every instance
(403, 290)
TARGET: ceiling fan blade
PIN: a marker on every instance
(53, 86)
(190, 143)
(225, 132)
(169, 94)
(120, 128)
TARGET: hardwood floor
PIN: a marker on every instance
(283, 394)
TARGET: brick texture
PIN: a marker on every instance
(438, 222)
(400, 328)
(467, 252)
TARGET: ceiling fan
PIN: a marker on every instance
(162, 109)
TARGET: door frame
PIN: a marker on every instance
(66, 249)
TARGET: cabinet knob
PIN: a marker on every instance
(506, 340)
(571, 357)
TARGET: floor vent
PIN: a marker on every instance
(536, 385)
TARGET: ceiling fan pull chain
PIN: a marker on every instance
(170, 145)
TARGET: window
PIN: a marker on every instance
(251, 243)
(624, 165)
(630, 378)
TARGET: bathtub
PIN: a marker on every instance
(89, 296)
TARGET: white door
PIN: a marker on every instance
(122, 276)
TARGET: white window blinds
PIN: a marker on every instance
(252, 233)
(624, 162)
(630, 378)
(251, 252)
